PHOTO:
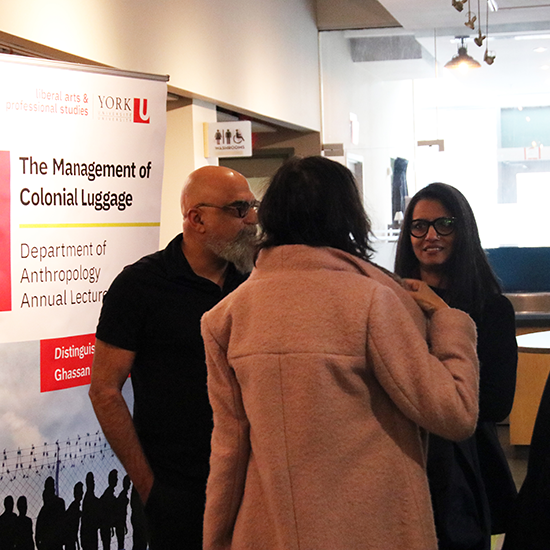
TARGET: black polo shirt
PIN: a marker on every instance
(153, 308)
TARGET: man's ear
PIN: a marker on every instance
(195, 221)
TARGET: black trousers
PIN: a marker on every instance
(175, 515)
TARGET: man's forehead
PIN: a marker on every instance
(219, 187)
(229, 188)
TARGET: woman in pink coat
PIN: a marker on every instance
(322, 384)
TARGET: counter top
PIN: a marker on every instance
(532, 308)
(534, 342)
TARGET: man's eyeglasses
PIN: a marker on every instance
(239, 209)
(443, 227)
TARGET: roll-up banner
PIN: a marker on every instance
(81, 164)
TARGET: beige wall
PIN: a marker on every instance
(258, 56)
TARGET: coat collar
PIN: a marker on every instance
(299, 257)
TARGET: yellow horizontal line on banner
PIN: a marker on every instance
(78, 225)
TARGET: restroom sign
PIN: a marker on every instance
(228, 139)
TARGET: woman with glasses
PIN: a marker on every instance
(321, 383)
(470, 482)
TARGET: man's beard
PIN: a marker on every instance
(241, 251)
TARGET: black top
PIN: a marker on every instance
(497, 351)
(471, 485)
(153, 308)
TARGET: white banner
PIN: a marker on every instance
(81, 164)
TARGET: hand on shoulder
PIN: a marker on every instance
(424, 296)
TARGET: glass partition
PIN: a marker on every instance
(387, 96)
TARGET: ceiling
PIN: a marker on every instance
(516, 30)
(426, 15)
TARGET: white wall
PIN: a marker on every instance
(256, 55)
(184, 152)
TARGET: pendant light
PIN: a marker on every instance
(462, 60)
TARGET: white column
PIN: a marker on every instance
(184, 152)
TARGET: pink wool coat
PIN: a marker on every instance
(321, 384)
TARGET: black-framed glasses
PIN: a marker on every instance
(443, 227)
(239, 209)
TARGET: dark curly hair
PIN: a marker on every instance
(315, 201)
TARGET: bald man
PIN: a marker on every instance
(150, 327)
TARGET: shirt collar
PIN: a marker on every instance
(178, 267)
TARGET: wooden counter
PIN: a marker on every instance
(533, 370)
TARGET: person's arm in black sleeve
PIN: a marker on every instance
(498, 357)
(117, 337)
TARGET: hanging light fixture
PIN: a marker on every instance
(471, 23)
(489, 56)
(480, 37)
(458, 5)
(462, 60)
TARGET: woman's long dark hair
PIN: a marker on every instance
(469, 275)
(315, 201)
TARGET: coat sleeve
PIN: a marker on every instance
(498, 359)
(230, 446)
(435, 386)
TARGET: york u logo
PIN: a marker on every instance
(141, 114)
(121, 105)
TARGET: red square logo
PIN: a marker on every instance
(141, 114)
